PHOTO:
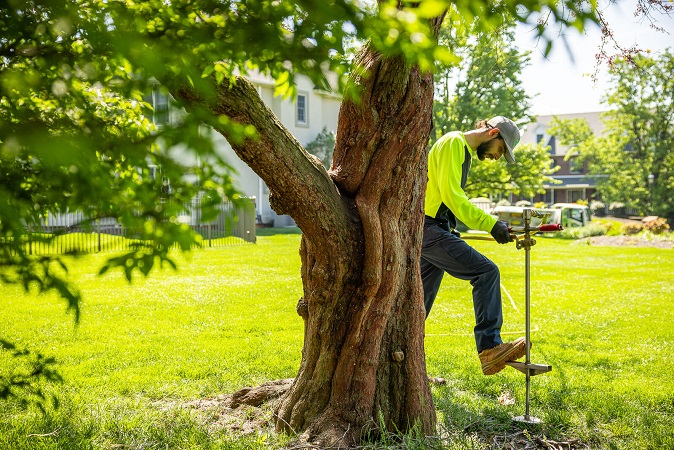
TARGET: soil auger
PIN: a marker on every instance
(525, 242)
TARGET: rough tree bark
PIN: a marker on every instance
(363, 362)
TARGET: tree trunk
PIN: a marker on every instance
(363, 365)
(363, 362)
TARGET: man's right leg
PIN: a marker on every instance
(442, 250)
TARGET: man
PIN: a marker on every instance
(444, 251)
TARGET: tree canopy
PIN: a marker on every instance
(632, 160)
(75, 132)
(485, 85)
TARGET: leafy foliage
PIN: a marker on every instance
(531, 171)
(75, 135)
(638, 140)
(488, 85)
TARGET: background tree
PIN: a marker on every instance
(323, 146)
(638, 140)
(486, 84)
(72, 79)
(527, 177)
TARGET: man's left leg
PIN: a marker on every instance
(486, 303)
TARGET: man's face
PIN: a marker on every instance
(492, 149)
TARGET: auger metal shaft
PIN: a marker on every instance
(527, 343)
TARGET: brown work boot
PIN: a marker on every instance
(493, 359)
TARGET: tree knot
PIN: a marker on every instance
(302, 308)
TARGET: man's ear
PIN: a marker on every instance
(493, 132)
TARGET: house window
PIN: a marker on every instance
(159, 100)
(573, 195)
(552, 143)
(539, 137)
(575, 167)
(302, 107)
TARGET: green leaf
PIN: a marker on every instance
(207, 71)
(429, 9)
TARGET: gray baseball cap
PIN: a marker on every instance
(510, 134)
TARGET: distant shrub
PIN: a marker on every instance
(323, 146)
(632, 228)
(594, 229)
(596, 204)
(657, 226)
(598, 208)
(613, 228)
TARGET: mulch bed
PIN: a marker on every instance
(627, 241)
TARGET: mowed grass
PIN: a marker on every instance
(226, 319)
(601, 318)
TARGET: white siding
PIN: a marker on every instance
(322, 109)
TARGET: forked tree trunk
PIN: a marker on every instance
(363, 363)
(363, 358)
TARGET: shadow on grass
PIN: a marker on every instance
(469, 419)
(270, 231)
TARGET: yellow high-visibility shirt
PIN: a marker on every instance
(448, 166)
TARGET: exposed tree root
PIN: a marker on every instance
(250, 410)
(328, 432)
(258, 395)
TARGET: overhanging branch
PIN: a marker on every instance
(297, 180)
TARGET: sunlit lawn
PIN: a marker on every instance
(226, 319)
(600, 317)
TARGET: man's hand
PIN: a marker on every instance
(500, 232)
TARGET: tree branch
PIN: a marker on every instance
(298, 182)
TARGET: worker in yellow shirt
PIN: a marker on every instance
(444, 251)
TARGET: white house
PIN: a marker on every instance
(305, 117)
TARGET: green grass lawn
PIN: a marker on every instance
(226, 319)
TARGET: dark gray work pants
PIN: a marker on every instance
(441, 252)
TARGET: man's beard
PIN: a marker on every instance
(482, 150)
